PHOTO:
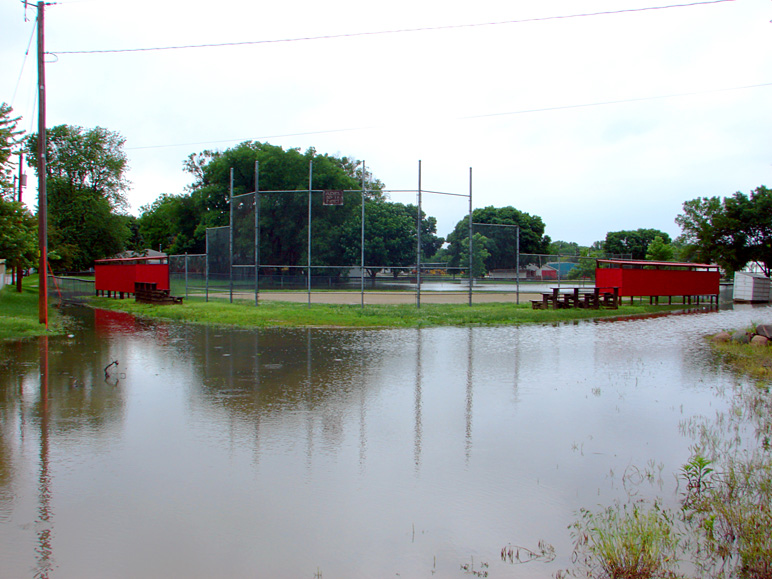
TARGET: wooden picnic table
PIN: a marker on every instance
(577, 297)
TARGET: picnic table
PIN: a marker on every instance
(577, 297)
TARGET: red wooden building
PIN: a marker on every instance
(116, 277)
(658, 278)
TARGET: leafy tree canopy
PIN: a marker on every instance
(10, 138)
(658, 250)
(501, 243)
(632, 243)
(18, 234)
(731, 232)
(86, 186)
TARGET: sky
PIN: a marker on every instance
(596, 115)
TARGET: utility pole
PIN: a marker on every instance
(22, 182)
(42, 195)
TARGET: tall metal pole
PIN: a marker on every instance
(517, 263)
(257, 232)
(310, 185)
(418, 244)
(42, 194)
(230, 240)
(362, 257)
(471, 232)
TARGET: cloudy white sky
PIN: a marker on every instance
(596, 123)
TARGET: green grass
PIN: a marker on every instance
(628, 542)
(19, 312)
(753, 360)
(274, 313)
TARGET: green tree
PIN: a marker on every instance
(480, 255)
(169, 223)
(585, 266)
(10, 138)
(86, 186)
(283, 216)
(18, 235)
(658, 250)
(632, 243)
(390, 238)
(501, 241)
(563, 248)
(730, 232)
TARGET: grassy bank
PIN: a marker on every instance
(19, 312)
(750, 359)
(272, 314)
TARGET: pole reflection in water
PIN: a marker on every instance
(469, 398)
(44, 525)
(357, 453)
(417, 404)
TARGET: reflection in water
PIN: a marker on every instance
(44, 550)
(418, 403)
(469, 398)
(219, 452)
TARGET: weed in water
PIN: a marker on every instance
(627, 542)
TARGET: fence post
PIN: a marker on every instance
(230, 240)
(310, 183)
(471, 232)
(186, 275)
(418, 244)
(362, 257)
(257, 233)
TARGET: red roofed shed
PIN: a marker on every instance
(658, 278)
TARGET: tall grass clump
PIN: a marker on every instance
(731, 513)
(632, 541)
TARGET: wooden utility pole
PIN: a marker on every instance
(42, 196)
(18, 269)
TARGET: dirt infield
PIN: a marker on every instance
(376, 298)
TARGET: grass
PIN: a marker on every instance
(749, 359)
(19, 312)
(627, 542)
(274, 313)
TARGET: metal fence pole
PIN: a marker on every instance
(471, 233)
(186, 275)
(418, 243)
(310, 183)
(230, 240)
(206, 268)
(257, 233)
(362, 257)
(517, 264)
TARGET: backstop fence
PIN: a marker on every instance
(232, 267)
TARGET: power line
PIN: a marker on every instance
(616, 102)
(394, 31)
(470, 117)
(24, 61)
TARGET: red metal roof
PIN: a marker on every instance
(656, 263)
(130, 259)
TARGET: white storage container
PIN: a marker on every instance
(751, 287)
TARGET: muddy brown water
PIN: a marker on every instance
(339, 454)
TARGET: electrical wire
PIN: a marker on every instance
(394, 31)
(24, 61)
(470, 117)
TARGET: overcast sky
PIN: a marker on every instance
(595, 122)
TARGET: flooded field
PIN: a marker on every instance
(206, 452)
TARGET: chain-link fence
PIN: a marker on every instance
(68, 289)
(349, 250)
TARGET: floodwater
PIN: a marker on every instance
(338, 453)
